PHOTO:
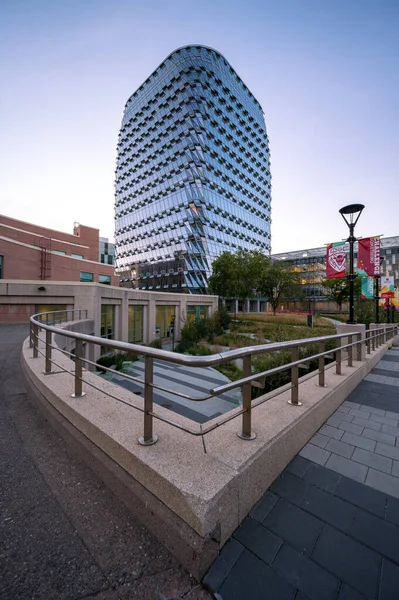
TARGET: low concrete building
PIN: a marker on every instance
(135, 316)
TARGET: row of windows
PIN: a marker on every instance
(200, 56)
(89, 277)
(63, 253)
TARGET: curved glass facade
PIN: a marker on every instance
(193, 173)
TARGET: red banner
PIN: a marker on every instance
(336, 261)
(368, 257)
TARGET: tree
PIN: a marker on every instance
(337, 290)
(237, 275)
(276, 282)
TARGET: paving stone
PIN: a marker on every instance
(319, 440)
(350, 405)
(379, 436)
(395, 468)
(348, 593)
(384, 420)
(377, 534)
(392, 430)
(223, 565)
(367, 423)
(344, 417)
(322, 478)
(315, 454)
(347, 467)
(300, 596)
(258, 540)
(304, 574)
(351, 427)
(339, 447)
(359, 413)
(348, 560)
(381, 463)
(251, 577)
(332, 432)
(290, 487)
(334, 420)
(383, 482)
(363, 496)
(263, 507)
(392, 510)
(373, 410)
(343, 409)
(298, 466)
(389, 585)
(359, 441)
(329, 509)
(393, 415)
(387, 450)
(293, 525)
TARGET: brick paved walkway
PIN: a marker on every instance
(328, 528)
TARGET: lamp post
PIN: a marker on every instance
(351, 214)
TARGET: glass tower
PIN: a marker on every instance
(193, 173)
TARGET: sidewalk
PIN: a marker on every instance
(328, 528)
(64, 535)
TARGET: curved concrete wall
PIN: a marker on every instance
(192, 499)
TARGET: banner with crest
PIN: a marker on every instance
(336, 261)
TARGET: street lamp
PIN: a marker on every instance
(351, 214)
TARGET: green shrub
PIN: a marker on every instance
(117, 359)
(155, 344)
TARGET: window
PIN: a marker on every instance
(198, 312)
(76, 255)
(107, 321)
(61, 252)
(105, 279)
(135, 324)
(165, 316)
(86, 277)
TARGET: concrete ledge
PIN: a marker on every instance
(191, 499)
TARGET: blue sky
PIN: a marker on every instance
(325, 72)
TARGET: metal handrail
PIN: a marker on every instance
(376, 336)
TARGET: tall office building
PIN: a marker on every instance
(193, 173)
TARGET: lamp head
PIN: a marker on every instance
(351, 213)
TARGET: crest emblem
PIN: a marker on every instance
(337, 259)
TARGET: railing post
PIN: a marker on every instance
(338, 359)
(78, 370)
(30, 335)
(322, 381)
(149, 437)
(35, 340)
(80, 313)
(359, 347)
(245, 433)
(350, 351)
(48, 351)
(368, 341)
(295, 378)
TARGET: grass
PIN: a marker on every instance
(283, 318)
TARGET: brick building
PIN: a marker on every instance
(32, 252)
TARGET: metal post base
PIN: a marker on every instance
(244, 436)
(77, 395)
(323, 386)
(149, 442)
(294, 403)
